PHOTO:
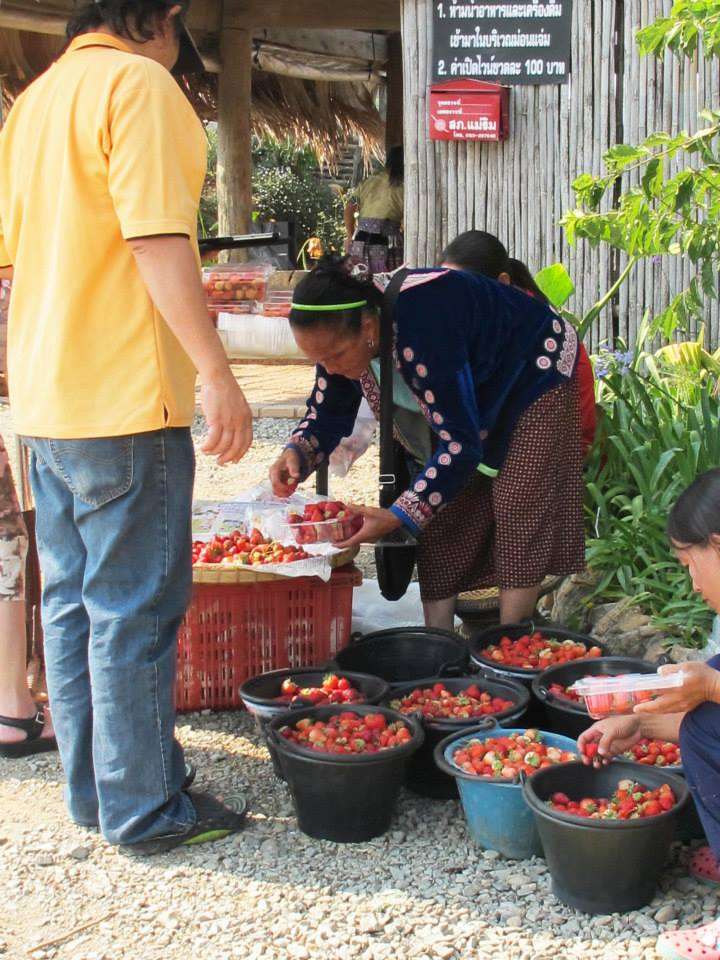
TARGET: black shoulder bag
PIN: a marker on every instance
(394, 554)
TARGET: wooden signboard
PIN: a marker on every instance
(508, 43)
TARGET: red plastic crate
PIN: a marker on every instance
(235, 631)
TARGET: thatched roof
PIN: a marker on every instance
(324, 114)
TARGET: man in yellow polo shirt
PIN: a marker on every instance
(102, 161)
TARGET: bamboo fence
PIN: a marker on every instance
(520, 189)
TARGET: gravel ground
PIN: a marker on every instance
(422, 892)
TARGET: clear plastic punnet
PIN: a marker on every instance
(236, 282)
(615, 696)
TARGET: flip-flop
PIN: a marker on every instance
(34, 741)
(702, 943)
(704, 867)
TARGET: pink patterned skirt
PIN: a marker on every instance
(525, 524)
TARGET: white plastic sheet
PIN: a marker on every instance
(371, 611)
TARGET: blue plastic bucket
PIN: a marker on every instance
(497, 815)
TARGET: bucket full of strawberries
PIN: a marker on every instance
(345, 767)
(565, 708)
(522, 652)
(606, 832)
(270, 695)
(490, 764)
(445, 705)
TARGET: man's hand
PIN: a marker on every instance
(229, 420)
(377, 523)
(613, 735)
(700, 684)
(285, 473)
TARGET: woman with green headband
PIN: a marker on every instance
(492, 372)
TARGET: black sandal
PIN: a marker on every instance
(34, 741)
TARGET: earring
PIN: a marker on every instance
(371, 343)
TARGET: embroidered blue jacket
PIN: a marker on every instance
(476, 354)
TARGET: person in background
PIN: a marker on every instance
(102, 162)
(499, 500)
(689, 714)
(374, 218)
(481, 252)
(25, 726)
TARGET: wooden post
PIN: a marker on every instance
(394, 120)
(234, 154)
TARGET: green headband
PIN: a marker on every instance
(328, 308)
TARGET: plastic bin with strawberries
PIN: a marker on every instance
(616, 696)
(325, 521)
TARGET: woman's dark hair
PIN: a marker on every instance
(695, 518)
(328, 284)
(135, 20)
(478, 252)
(521, 277)
(395, 166)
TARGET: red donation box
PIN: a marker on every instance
(469, 110)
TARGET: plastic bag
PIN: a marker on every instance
(351, 448)
(371, 611)
(256, 335)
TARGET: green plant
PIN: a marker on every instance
(281, 194)
(653, 441)
(208, 212)
(665, 192)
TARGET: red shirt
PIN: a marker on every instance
(586, 385)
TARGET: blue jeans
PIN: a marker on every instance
(114, 537)
(700, 750)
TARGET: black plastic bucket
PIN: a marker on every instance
(602, 866)
(564, 716)
(494, 635)
(347, 799)
(259, 694)
(406, 654)
(423, 775)
(689, 825)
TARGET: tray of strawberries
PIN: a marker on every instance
(631, 801)
(244, 557)
(326, 521)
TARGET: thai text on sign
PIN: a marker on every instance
(509, 42)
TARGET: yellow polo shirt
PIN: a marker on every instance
(101, 148)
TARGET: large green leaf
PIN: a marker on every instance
(556, 283)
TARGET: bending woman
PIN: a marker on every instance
(690, 714)
(499, 502)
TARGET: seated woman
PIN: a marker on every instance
(690, 714)
(499, 502)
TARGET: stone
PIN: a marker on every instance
(666, 914)
(79, 853)
(44, 860)
(623, 628)
(571, 605)
(680, 654)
